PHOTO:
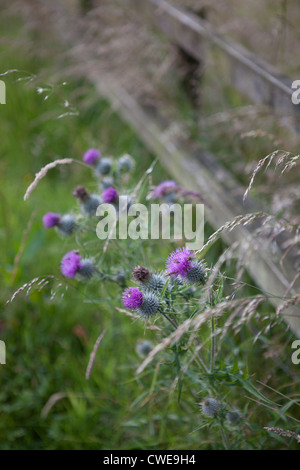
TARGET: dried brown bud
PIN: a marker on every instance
(141, 274)
(80, 193)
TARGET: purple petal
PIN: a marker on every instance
(70, 264)
(132, 298)
(179, 262)
(51, 219)
(91, 156)
(163, 188)
(110, 195)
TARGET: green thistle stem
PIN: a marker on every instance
(212, 345)
(173, 322)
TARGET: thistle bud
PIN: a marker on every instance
(144, 347)
(150, 305)
(103, 166)
(106, 182)
(67, 224)
(120, 277)
(196, 274)
(72, 264)
(125, 163)
(88, 202)
(156, 283)
(145, 304)
(110, 195)
(210, 407)
(91, 156)
(233, 417)
(86, 269)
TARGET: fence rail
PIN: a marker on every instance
(252, 76)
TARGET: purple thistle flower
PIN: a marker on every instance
(70, 264)
(164, 188)
(91, 156)
(132, 298)
(110, 195)
(179, 262)
(51, 219)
